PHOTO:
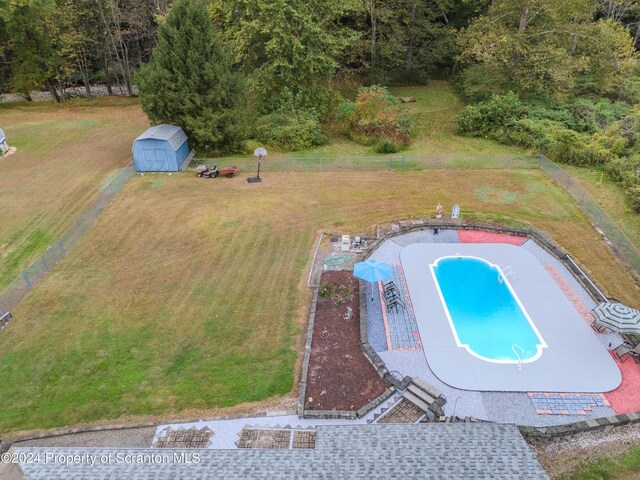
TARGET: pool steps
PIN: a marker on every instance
(425, 396)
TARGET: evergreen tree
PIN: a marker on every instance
(189, 80)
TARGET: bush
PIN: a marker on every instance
(491, 115)
(387, 146)
(626, 171)
(250, 146)
(376, 118)
(290, 130)
(582, 132)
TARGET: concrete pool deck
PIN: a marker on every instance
(575, 360)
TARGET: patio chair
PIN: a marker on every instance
(625, 350)
(597, 327)
(390, 296)
(394, 304)
(390, 287)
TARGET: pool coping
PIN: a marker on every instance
(575, 360)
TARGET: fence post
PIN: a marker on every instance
(60, 247)
(402, 164)
(44, 262)
(26, 279)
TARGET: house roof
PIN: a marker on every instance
(171, 133)
(446, 450)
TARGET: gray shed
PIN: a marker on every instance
(3, 142)
(162, 148)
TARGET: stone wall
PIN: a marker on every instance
(571, 430)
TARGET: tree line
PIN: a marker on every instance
(54, 44)
(532, 47)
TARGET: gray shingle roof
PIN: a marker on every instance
(426, 451)
(173, 134)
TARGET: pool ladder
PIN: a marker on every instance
(515, 347)
(505, 273)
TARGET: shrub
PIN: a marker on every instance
(583, 131)
(290, 130)
(250, 146)
(590, 115)
(626, 171)
(491, 115)
(387, 146)
(376, 118)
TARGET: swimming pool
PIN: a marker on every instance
(484, 312)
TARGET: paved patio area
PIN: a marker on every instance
(508, 407)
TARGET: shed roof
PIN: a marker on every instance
(171, 133)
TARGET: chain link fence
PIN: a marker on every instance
(249, 164)
(607, 227)
(616, 238)
(11, 296)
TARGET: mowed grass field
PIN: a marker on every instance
(611, 197)
(65, 152)
(188, 294)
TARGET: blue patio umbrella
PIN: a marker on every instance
(372, 271)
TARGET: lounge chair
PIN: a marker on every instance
(627, 350)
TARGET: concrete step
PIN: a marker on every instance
(418, 392)
(430, 389)
(417, 401)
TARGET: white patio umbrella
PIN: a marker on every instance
(618, 318)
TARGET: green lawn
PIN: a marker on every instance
(188, 293)
(65, 152)
(623, 467)
(611, 198)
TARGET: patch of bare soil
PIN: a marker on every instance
(340, 377)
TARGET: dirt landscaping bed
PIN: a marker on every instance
(340, 376)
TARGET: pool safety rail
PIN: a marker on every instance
(506, 271)
(519, 352)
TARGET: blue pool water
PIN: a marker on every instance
(484, 312)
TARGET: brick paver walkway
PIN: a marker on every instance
(566, 403)
(403, 412)
(182, 438)
(570, 293)
(475, 236)
(400, 323)
(276, 438)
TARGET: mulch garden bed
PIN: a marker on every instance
(340, 377)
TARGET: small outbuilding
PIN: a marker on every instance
(162, 148)
(3, 142)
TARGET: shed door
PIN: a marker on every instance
(162, 163)
(155, 160)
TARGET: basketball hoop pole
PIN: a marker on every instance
(259, 158)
